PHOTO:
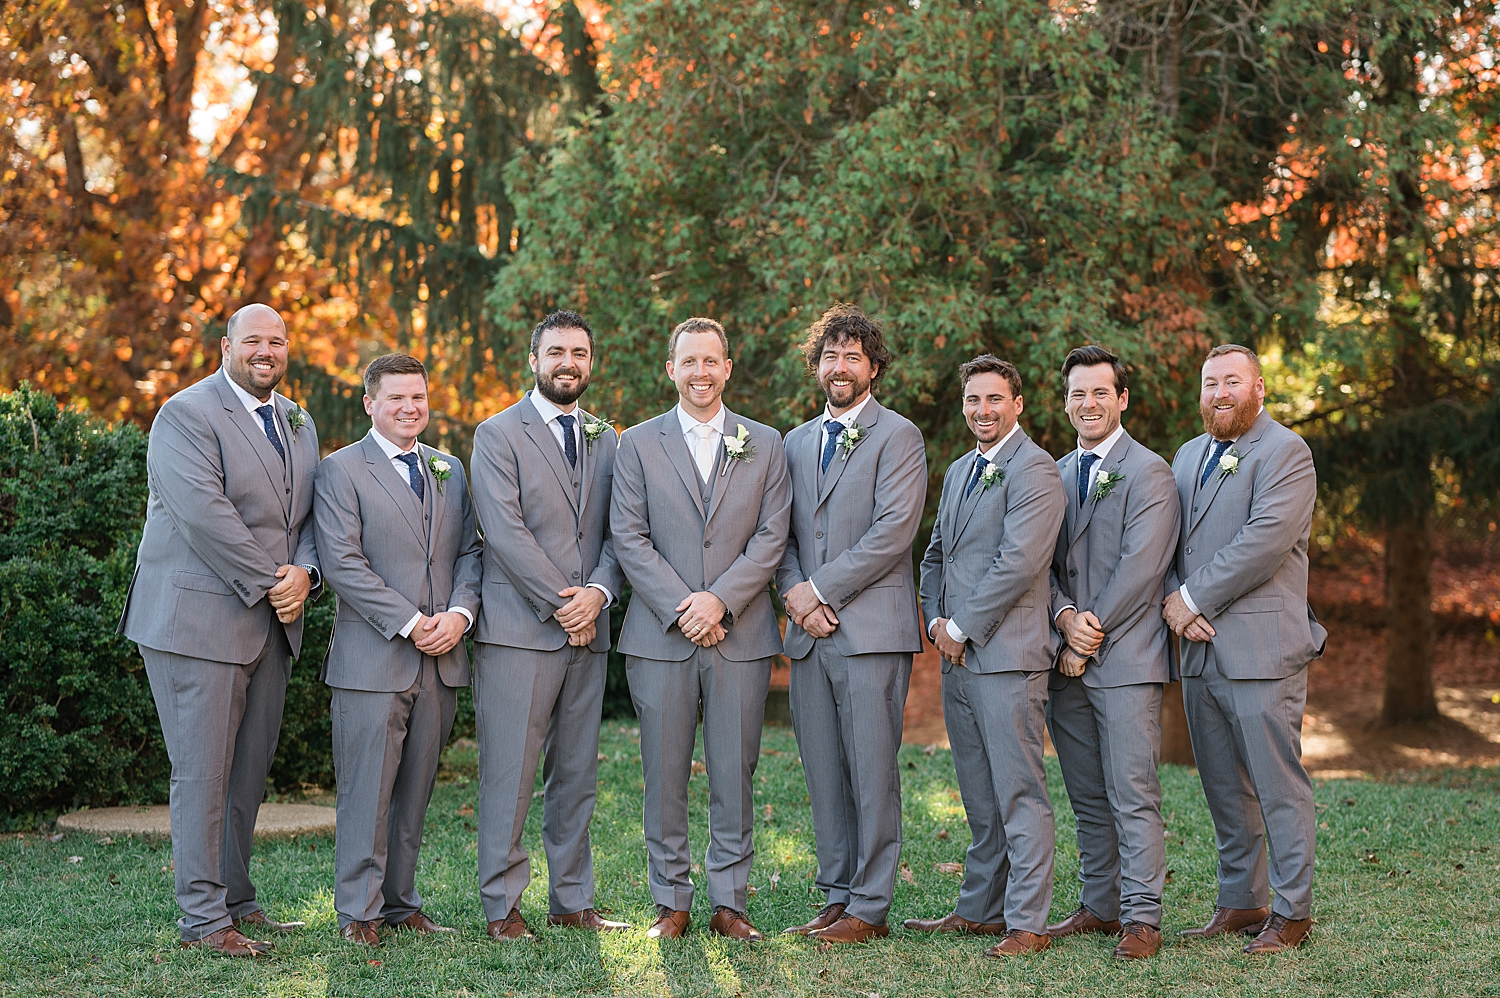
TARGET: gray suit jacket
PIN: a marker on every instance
(1243, 553)
(388, 557)
(990, 555)
(1112, 558)
(542, 532)
(851, 533)
(224, 513)
(670, 547)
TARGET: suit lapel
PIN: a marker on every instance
(439, 498)
(545, 442)
(1069, 472)
(972, 502)
(396, 486)
(721, 487)
(1242, 446)
(586, 463)
(674, 444)
(1086, 511)
(836, 467)
(255, 435)
(806, 448)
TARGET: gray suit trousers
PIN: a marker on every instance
(667, 696)
(995, 726)
(386, 748)
(1247, 739)
(220, 723)
(1108, 742)
(847, 713)
(527, 703)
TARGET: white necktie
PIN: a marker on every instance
(703, 450)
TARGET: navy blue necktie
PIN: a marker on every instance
(1085, 464)
(1220, 446)
(980, 463)
(834, 428)
(570, 443)
(414, 475)
(268, 419)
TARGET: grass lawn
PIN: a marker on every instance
(1406, 904)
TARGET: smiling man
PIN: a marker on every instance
(226, 561)
(543, 473)
(859, 478)
(699, 519)
(984, 599)
(1238, 601)
(401, 549)
(1108, 576)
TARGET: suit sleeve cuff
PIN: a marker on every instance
(609, 597)
(1189, 601)
(955, 632)
(467, 615)
(405, 632)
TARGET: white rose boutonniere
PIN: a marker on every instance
(441, 471)
(593, 429)
(849, 439)
(1106, 484)
(737, 448)
(296, 418)
(991, 475)
(1229, 463)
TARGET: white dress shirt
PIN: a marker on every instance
(394, 452)
(1102, 451)
(954, 631)
(689, 426)
(549, 413)
(1188, 600)
(849, 417)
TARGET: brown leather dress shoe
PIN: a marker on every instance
(361, 933)
(512, 926)
(1019, 942)
(671, 923)
(1280, 933)
(228, 941)
(588, 918)
(418, 921)
(1245, 920)
(258, 919)
(850, 930)
(831, 913)
(1080, 922)
(733, 924)
(1138, 942)
(954, 922)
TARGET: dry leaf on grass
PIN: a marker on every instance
(907, 875)
(957, 868)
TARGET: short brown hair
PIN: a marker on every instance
(697, 324)
(843, 323)
(391, 363)
(561, 319)
(988, 363)
(1223, 349)
(1091, 355)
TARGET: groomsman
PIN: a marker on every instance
(222, 572)
(985, 602)
(542, 474)
(1117, 541)
(859, 478)
(396, 530)
(700, 518)
(1238, 601)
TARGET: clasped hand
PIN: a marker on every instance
(952, 650)
(288, 595)
(808, 612)
(437, 634)
(580, 615)
(1183, 621)
(701, 619)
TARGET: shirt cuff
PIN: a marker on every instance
(469, 616)
(1059, 613)
(1189, 601)
(819, 595)
(406, 631)
(609, 597)
(955, 632)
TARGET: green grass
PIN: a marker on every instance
(1406, 904)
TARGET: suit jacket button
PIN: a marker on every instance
(288, 491)
(818, 534)
(422, 608)
(1195, 509)
(1189, 551)
(1072, 573)
(708, 544)
(575, 575)
(580, 535)
(950, 559)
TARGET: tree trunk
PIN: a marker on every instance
(1408, 623)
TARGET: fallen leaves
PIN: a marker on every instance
(957, 868)
(906, 873)
(466, 811)
(698, 767)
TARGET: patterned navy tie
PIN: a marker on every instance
(1085, 465)
(834, 428)
(570, 443)
(1220, 446)
(414, 474)
(980, 463)
(268, 419)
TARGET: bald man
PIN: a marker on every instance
(221, 576)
